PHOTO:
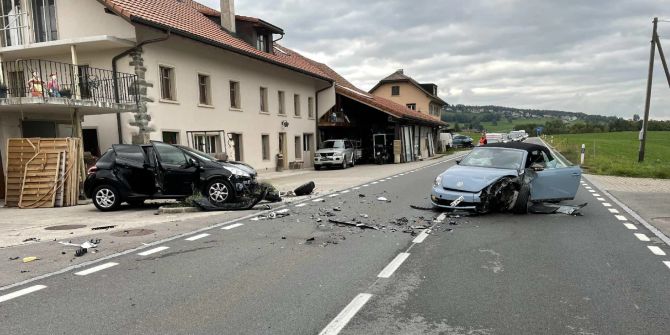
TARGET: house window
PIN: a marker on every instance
(411, 106)
(44, 20)
(282, 103)
(171, 137)
(310, 107)
(265, 142)
(203, 86)
(207, 143)
(261, 43)
(167, 83)
(264, 100)
(298, 148)
(296, 104)
(395, 90)
(235, 95)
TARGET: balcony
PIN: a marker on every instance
(41, 85)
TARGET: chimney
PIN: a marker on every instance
(228, 15)
(401, 71)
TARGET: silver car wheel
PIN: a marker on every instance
(105, 198)
(218, 192)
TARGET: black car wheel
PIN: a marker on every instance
(521, 203)
(317, 167)
(219, 191)
(344, 161)
(106, 198)
(353, 161)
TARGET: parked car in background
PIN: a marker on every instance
(446, 141)
(461, 141)
(518, 135)
(494, 138)
(505, 177)
(135, 173)
(340, 153)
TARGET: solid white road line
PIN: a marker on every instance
(607, 204)
(394, 265)
(197, 237)
(612, 210)
(341, 320)
(630, 226)
(642, 237)
(233, 226)
(620, 217)
(96, 269)
(656, 250)
(153, 251)
(421, 236)
(19, 293)
(301, 205)
(667, 263)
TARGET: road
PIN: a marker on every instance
(492, 274)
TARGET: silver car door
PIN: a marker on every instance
(560, 183)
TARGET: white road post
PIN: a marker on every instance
(583, 151)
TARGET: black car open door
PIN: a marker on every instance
(132, 169)
(175, 173)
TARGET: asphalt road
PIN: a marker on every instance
(493, 274)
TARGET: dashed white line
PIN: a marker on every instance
(613, 210)
(374, 182)
(333, 195)
(96, 269)
(607, 204)
(301, 205)
(197, 237)
(596, 195)
(642, 237)
(153, 251)
(656, 250)
(19, 293)
(667, 263)
(345, 192)
(341, 320)
(592, 191)
(630, 226)
(356, 188)
(233, 226)
(318, 200)
(422, 236)
(366, 185)
(600, 199)
(587, 187)
(620, 217)
(394, 265)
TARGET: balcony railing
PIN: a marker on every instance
(48, 79)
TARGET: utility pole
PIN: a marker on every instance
(643, 131)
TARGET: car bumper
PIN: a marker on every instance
(442, 198)
(328, 161)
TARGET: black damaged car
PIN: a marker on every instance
(135, 173)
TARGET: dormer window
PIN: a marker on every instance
(262, 43)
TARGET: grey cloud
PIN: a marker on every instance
(582, 56)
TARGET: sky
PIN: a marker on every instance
(587, 56)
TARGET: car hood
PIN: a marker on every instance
(240, 165)
(472, 178)
(326, 151)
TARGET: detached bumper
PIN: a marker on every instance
(442, 198)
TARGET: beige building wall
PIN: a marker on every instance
(408, 94)
(190, 58)
(91, 20)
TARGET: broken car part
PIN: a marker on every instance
(305, 189)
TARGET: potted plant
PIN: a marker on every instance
(3, 90)
(65, 93)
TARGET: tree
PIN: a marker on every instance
(457, 127)
(636, 117)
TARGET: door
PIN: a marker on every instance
(235, 142)
(2, 179)
(558, 183)
(282, 148)
(176, 176)
(308, 149)
(132, 169)
(90, 138)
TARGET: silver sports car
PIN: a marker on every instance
(506, 177)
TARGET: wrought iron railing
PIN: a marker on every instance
(49, 79)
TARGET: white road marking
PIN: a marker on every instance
(394, 265)
(607, 204)
(366, 185)
(374, 182)
(301, 205)
(612, 210)
(656, 250)
(630, 226)
(642, 237)
(667, 263)
(19, 293)
(356, 188)
(592, 191)
(587, 187)
(596, 195)
(96, 269)
(381, 180)
(153, 251)
(421, 236)
(600, 199)
(620, 217)
(341, 320)
(317, 200)
(197, 237)
(441, 217)
(333, 195)
(345, 192)
(233, 226)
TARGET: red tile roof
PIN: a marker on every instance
(188, 18)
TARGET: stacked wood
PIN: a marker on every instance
(42, 172)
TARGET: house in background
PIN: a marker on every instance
(422, 98)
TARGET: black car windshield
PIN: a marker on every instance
(198, 154)
(333, 145)
(494, 158)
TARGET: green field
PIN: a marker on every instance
(616, 153)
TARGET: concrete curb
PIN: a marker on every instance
(177, 210)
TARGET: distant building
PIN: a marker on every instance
(404, 90)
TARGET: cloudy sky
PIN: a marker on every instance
(575, 55)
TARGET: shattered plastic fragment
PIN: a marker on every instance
(383, 199)
(29, 259)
